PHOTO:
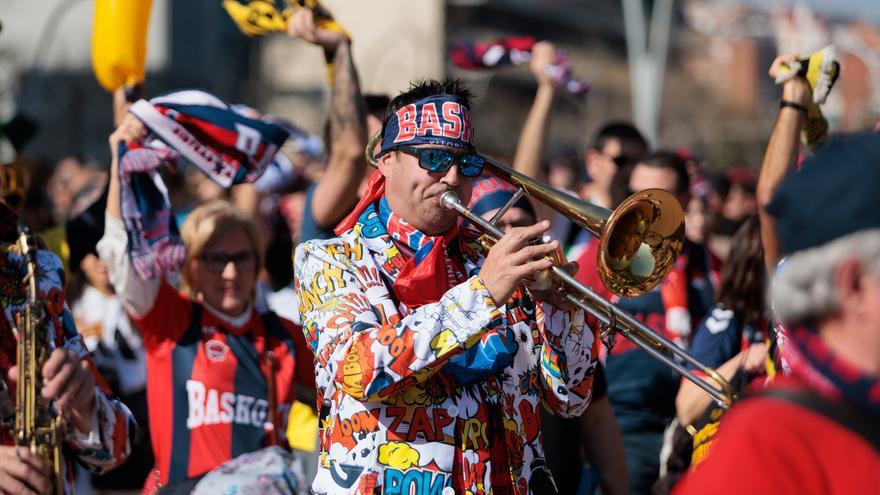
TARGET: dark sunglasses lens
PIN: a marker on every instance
(471, 165)
(216, 262)
(436, 160)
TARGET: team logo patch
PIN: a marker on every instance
(216, 350)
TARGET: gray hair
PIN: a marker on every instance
(803, 288)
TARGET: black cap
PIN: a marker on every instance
(836, 192)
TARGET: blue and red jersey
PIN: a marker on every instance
(208, 382)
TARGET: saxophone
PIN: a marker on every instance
(37, 425)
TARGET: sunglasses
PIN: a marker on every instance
(216, 262)
(440, 160)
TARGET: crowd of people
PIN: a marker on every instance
(252, 306)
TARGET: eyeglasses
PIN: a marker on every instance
(216, 262)
(440, 160)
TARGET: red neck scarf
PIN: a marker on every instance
(428, 272)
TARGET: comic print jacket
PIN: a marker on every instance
(108, 444)
(438, 399)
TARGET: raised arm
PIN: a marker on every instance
(781, 155)
(533, 137)
(136, 294)
(336, 192)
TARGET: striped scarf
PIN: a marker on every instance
(810, 360)
(229, 147)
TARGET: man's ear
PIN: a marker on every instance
(385, 163)
(848, 282)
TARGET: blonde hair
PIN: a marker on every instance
(206, 224)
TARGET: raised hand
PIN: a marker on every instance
(796, 89)
(302, 26)
(131, 129)
(543, 55)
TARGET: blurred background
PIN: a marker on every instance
(709, 93)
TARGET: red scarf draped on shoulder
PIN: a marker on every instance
(419, 282)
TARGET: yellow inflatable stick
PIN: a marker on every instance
(302, 427)
(119, 42)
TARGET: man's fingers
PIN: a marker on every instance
(9, 484)
(776, 66)
(55, 362)
(86, 390)
(534, 266)
(520, 236)
(12, 374)
(58, 383)
(309, 21)
(533, 252)
(533, 231)
(57, 378)
(26, 472)
(25, 455)
(70, 390)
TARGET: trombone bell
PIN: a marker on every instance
(638, 241)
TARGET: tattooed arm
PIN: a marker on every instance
(336, 192)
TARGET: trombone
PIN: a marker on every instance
(638, 244)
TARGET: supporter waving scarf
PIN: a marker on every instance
(221, 142)
(514, 51)
(227, 146)
(821, 70)
(262, 17)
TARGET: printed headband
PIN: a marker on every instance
(439, 119)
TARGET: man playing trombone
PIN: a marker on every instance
(432, 358)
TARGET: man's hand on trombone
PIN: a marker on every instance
(516, 259)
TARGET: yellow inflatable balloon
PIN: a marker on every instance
(119, 42)
(302, 427)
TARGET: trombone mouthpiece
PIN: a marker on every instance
(449, 200)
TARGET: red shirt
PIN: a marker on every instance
(206, 383)
(767, 445)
